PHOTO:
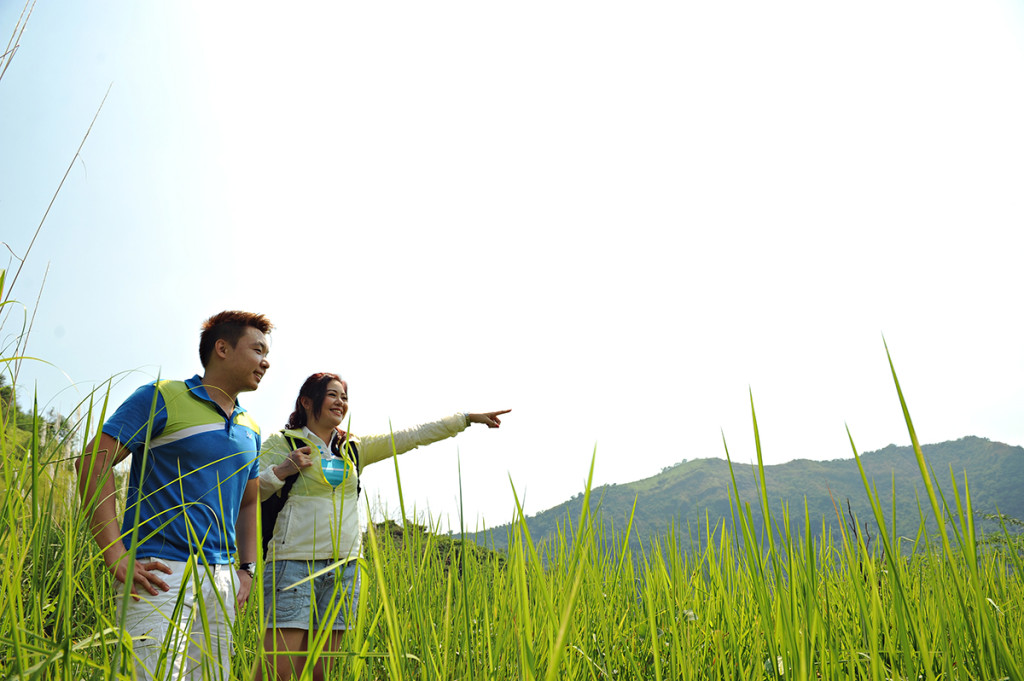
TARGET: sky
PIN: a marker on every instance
(626, 222)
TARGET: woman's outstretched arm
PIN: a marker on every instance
(373, 448)
(488, 418)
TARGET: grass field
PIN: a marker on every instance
(580, 606)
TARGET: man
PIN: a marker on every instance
(193, 496)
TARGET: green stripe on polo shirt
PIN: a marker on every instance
(184, 411)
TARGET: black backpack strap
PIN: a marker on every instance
(290, 482)
(271, 506)
(351, 451)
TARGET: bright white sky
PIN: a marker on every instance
(613, 218)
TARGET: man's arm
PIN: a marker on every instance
(245, 536)
(96, 488)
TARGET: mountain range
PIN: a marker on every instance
(688, 497)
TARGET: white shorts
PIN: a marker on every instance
(184, 633)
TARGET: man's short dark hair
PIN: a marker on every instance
(228, 325)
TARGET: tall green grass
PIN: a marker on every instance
(740, 601)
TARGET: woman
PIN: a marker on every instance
(319, 525)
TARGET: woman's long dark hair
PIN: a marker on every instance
(315, 388)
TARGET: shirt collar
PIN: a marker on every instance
(310, 435)
(195, 387)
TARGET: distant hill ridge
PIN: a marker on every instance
(692, 493)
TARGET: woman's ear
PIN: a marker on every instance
(306, 403)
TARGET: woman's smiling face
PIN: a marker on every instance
(334, 406)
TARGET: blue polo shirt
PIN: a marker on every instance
(186, 487)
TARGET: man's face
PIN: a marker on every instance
(247, 361)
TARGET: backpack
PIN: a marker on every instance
(271, 506)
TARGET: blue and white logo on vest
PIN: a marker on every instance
(335, 470)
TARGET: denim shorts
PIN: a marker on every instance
(335, 591)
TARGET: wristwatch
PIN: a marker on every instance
(250, 568)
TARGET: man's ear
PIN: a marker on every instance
(221, 348)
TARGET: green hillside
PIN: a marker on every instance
(693, 494)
